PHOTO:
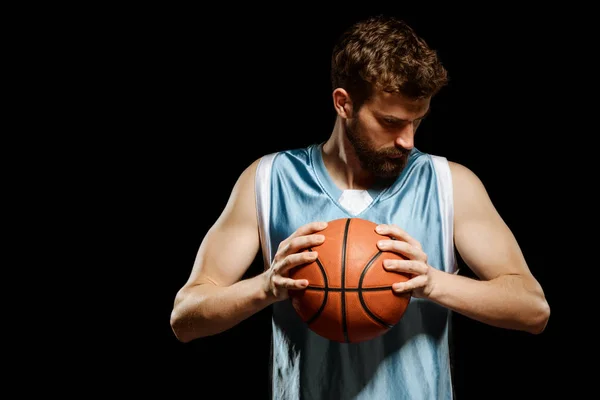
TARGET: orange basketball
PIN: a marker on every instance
(349, 297)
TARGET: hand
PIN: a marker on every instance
(422, 282)
(291, 253)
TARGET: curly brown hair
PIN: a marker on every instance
(384, 53)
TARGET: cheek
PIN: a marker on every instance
(372, 132)
(379, 136)
(372, 129)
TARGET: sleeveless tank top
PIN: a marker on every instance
(412, 360)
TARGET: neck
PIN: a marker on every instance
(341, 161)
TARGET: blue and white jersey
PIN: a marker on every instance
(411, 361)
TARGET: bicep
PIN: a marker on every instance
(232, 243)
(482, 238)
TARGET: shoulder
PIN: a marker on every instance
(469, 191)
(462, 176)
(242, 198)
(248, 175)
(283, 159)
(461, 171)
(265, 163)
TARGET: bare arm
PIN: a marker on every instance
(214, 299)
(506, 294)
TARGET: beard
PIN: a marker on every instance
(384, 163)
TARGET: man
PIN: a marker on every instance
(384, 78)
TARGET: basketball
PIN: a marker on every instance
(349, 297)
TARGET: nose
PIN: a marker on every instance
(406, 137)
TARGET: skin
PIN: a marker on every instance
(506, 295)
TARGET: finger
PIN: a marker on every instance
(308, 229)
(300, 244)
(288, 245)
(289, 283)
(397, 233)
(403, 248)
(295, 260)
(304, 242)
(406, 266)
(410, 285)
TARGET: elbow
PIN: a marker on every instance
(178, 326)
(189, 319)
(180, 319)
(539, 320)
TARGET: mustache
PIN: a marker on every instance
(394, 152)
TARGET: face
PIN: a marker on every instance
(382, 133)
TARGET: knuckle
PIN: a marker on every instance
(399, 288)
(274, 281)
(285, 263)
(286, 247)
(279, 266)
(293, 260)
(305, 241)
(275, 268)
(415, 267)
(297, 243)
(308, 256)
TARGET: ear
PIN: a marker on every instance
(342, 103)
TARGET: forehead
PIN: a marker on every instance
(397, 105)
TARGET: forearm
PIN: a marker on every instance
(208, 309)
(509, 301)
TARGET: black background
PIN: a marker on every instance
(202, 94)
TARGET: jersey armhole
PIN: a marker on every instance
(446, 204)
(262, 187)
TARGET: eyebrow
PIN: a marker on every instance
(396, 119)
